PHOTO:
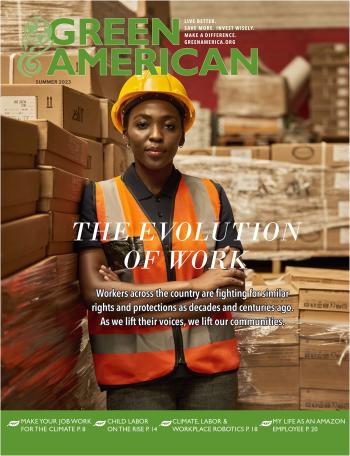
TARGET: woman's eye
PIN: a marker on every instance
(141, 124)
(170, 126)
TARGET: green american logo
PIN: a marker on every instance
(36, 40)
(121, 48)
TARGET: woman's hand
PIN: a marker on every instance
(219, 277)
(107, 274)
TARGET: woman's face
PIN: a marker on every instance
(155, 132)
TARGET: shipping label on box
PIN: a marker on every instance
(20, 108)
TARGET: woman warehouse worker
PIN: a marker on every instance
(157, 366)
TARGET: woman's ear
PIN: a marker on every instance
(126, 138)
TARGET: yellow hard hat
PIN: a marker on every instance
(147, 83)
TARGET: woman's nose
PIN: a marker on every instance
(156, 133)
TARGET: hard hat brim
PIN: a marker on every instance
(117, 109)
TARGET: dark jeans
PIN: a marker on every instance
(216, 392)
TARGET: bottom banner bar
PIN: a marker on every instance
(175, 432)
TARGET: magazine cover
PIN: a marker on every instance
(175, 227)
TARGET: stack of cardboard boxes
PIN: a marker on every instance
(330, 88)
(324, 337)
(85, 112)
(56, 135)
(303, 363)
(42, 185)
(331, 233)
(269, 373)
(250, 108)
(305, 185)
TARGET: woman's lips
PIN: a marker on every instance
(154, 152)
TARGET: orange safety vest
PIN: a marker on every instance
(132, 354)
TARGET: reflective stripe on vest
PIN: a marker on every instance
(131, 354)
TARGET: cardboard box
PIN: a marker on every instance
(114, 160)
(108, 131)
(61, 233)
(90, 83)
(19, 144)
(60, 248)
(271, 387)
(65, 107)
(59, 148)
(229, 125)
(62, 226)
(246, 152)
(94, 167)
(324, 374)
(60, 191)
(325, 326)
(252, 96)
(19, 193)
(323, 296)
(269, 355)
(338, 238)
(323, 349)
(333, 155)
(23, 242)
(318, 275)
(322, 399)
(305, 241)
